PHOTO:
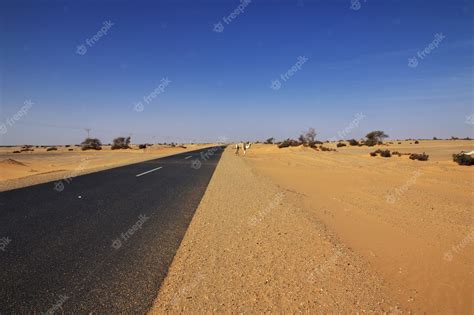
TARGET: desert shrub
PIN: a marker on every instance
(353, 142)
(326, 149)
(399, 143)
(310, 135)
(370, 143)
(142, 146)
(91, 144)
(67, 145)
(378, 151)
(121, 143)
(314, 143)
(340, 144)
(269, 140)
(416, 142)
(375, 137)
(16, 151)
(288, 143)
(52, 149)
(70, 149)
(419, 157)
(463, 159)
(182, 146)
(385, 153)
(434, 138)
(396, 153)
(454, 138)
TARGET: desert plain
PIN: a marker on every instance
(298, 230)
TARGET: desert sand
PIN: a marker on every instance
(296, 229)
(39, 166)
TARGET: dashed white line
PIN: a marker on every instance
(149, 171)
(188, 157)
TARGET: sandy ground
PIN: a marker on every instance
(411, 220)
(253, 247)
(39, 166)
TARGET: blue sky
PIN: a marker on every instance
(220, 82)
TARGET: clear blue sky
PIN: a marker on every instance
(221, 81)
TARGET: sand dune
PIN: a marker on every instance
(407, 218)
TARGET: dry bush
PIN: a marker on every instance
(52, 149)
(288, 143)
(385, 153)
(353, 142)
(269, 140)
(419, 157)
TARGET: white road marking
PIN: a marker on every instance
(149, 171)
(188, 157)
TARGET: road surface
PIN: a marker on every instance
(100, 242)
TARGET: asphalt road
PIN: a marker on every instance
(104, 242)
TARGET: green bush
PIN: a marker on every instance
(121, 143)
(463, 159)
(91, 144)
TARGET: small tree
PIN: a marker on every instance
(91, 144)
(308, 138)
(269, 140)
(302, 139)
(375, 137)
(310, 135)
(121, 143)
